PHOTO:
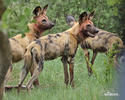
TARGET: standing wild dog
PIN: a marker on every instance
(57, 45)
(102, 42)
(19, 44)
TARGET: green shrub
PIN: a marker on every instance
(19, 13)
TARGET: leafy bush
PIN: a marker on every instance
(19, 13)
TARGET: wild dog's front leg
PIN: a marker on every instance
(66, 76)
(71, 69)
(38, 69)
(87, 58)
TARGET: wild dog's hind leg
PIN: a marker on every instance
(66, 76)
(8, 73)
(37, 70)
(71, 69)
(23, 75)
(36, 82)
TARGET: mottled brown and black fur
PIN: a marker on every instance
(56, 45)
(18, 43)
(102, 42)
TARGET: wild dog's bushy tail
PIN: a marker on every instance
(70, 20)
(115, 43)
(121, 45)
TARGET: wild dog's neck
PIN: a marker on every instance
(38, 30)
(34, 31)
(74, 31)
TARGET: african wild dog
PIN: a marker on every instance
(102, 42)
(18, 43)
(57, 45)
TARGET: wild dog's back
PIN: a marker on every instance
(49, 44)
(102, 41)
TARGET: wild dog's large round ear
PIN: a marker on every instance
(70, 20)
(45, 9)
(37, 10)
(91, 15)
(82, 17)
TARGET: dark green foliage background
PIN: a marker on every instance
(19, 13)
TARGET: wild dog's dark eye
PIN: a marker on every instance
(44, 20)
(88, 25)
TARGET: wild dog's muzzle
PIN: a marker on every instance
(93, 33)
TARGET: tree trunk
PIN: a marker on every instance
(5, 54)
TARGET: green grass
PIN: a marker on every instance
(52, 85)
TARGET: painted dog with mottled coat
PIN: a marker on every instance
(102, 42)
(18, 43)
(57, 45)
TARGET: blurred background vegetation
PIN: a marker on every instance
(107, 16)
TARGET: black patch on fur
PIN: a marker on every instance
(26, 50)
(107, 39)
(67, 46)
(101, 33)
(14, 39)
(66, 49)
(85, 45)
(41, 62)
(64, 59)
(102, 49)
(53, 56)
(31, 51)
(49, 38)
(58, 35)
(46, 46)
(46, 55)
(37, 60)
(49, 56)
(111, 35)
(39, 43)
(74, 53)
(55, 36)
(35, 56)
(50, 41)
